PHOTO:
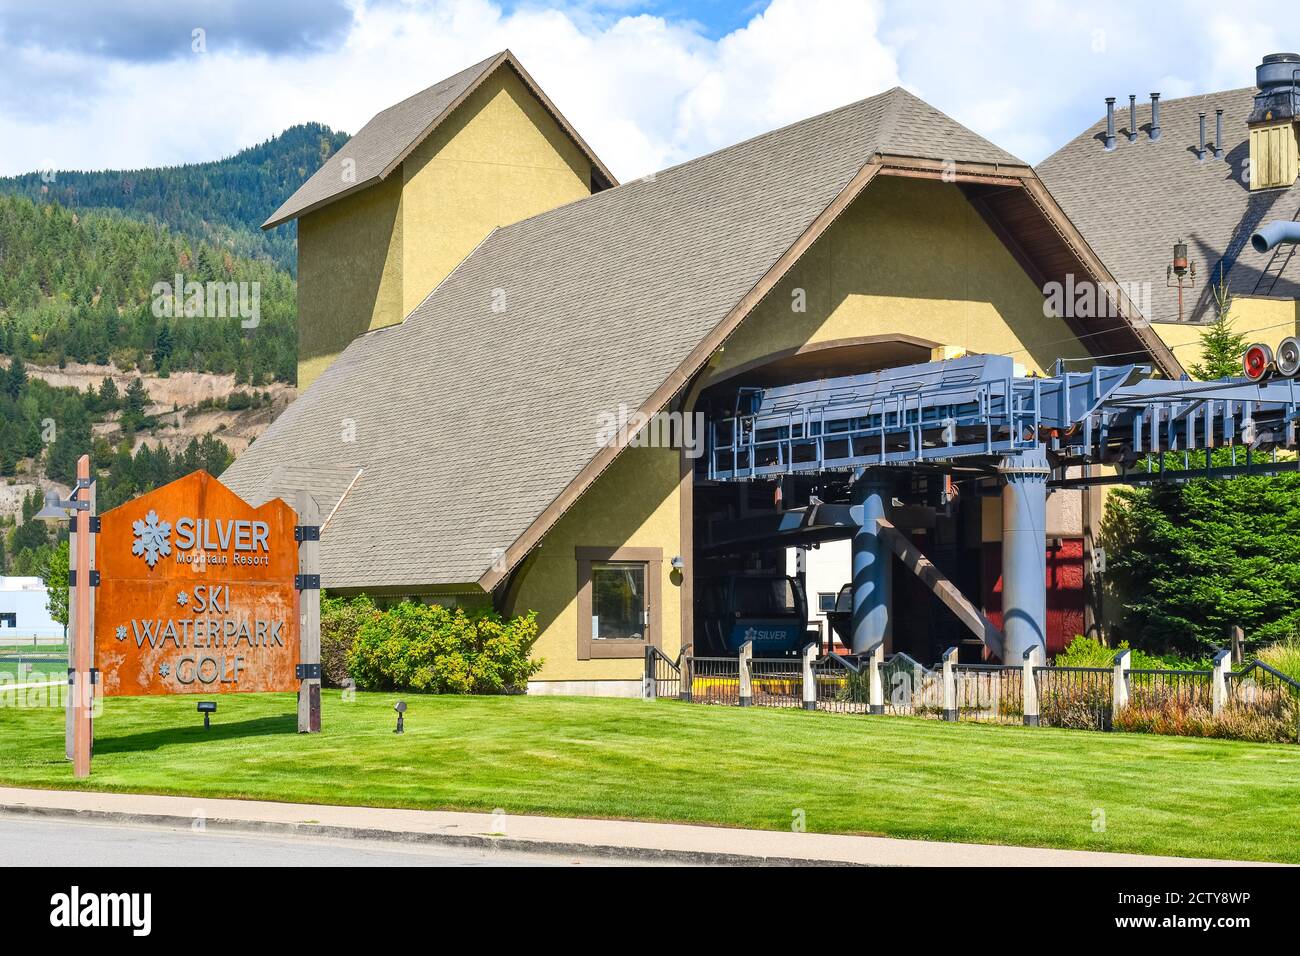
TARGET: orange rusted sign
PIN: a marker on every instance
(196, 593)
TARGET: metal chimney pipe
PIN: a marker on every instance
(1132, 118)
(1155, 116)
(1110, 123)
(1218, 134)
(1267, 237)
(1200, 152)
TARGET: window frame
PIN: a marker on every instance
(592, 648)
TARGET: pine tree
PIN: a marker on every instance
(1221, 347)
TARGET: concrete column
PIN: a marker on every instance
(1119, 684)
(950, 684)
(746, 691)
(872, 574)
(1024, 553)
(875, 661)
(1032, 657)
(809, 679)
(1219, 681)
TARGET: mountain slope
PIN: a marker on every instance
(79, 286)
(223, 202)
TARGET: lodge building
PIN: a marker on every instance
(478, 293)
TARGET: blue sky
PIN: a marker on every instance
(94, 85)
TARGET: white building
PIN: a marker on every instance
(829, 567)
(24, 616)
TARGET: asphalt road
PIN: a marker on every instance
(26, 842)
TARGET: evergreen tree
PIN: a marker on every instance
(1221, 347)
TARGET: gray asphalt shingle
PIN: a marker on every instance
(1132, 204)
(469, 422)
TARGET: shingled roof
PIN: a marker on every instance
(1132, 204)
(475, 420)
(391, 135)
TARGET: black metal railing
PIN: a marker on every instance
(1075, 697)
(776, 682)
(990, 693)
(910, 688)
(842, 684)
(714, 680)
(1262, 704)
(1255, 703)
(663, 675)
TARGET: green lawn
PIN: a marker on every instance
(668, 761)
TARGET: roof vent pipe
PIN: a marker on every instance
(1200, 151)
(1218, 134)
(1132, 118)
(1110, 123)
(1274, 234)
(1155, 116)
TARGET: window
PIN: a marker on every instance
(618, 601)
(9, 620)
(826, 601)
(765, 597)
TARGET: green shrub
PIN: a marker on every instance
(1090, 652)
(431, 649)
(341, 619)
(1283, 656)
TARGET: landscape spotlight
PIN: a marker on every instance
(400, 707)
(207, 708)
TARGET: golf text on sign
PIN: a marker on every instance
(196, 593)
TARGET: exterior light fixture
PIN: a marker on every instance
(1180, 273)
(400, 707)
(677, 563)
(207, 708)
(57, 508)
(82, 577)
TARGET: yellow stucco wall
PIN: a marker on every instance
(1259, 320)
(500, 158)
(635, 503)
(367, 260)
(911, 257)
(349, 273)
(907, 257)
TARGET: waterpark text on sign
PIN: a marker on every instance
(197, 593)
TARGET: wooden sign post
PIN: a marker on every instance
(194, 592)
(308, 535)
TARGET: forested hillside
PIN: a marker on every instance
(222, 203)
(78, 286)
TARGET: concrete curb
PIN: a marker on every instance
(483, 841)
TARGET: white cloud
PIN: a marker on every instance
(646, 91)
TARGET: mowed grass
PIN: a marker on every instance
(668, 761)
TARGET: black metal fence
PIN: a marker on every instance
(1256, 703)
(1075, 697)
(1263, 704)
(713, 680)
(776, 682)
(989, 693)
(840, 684)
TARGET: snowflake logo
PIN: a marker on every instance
(121, 632)
(182, 599)
(164, 669)
(152, 538)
